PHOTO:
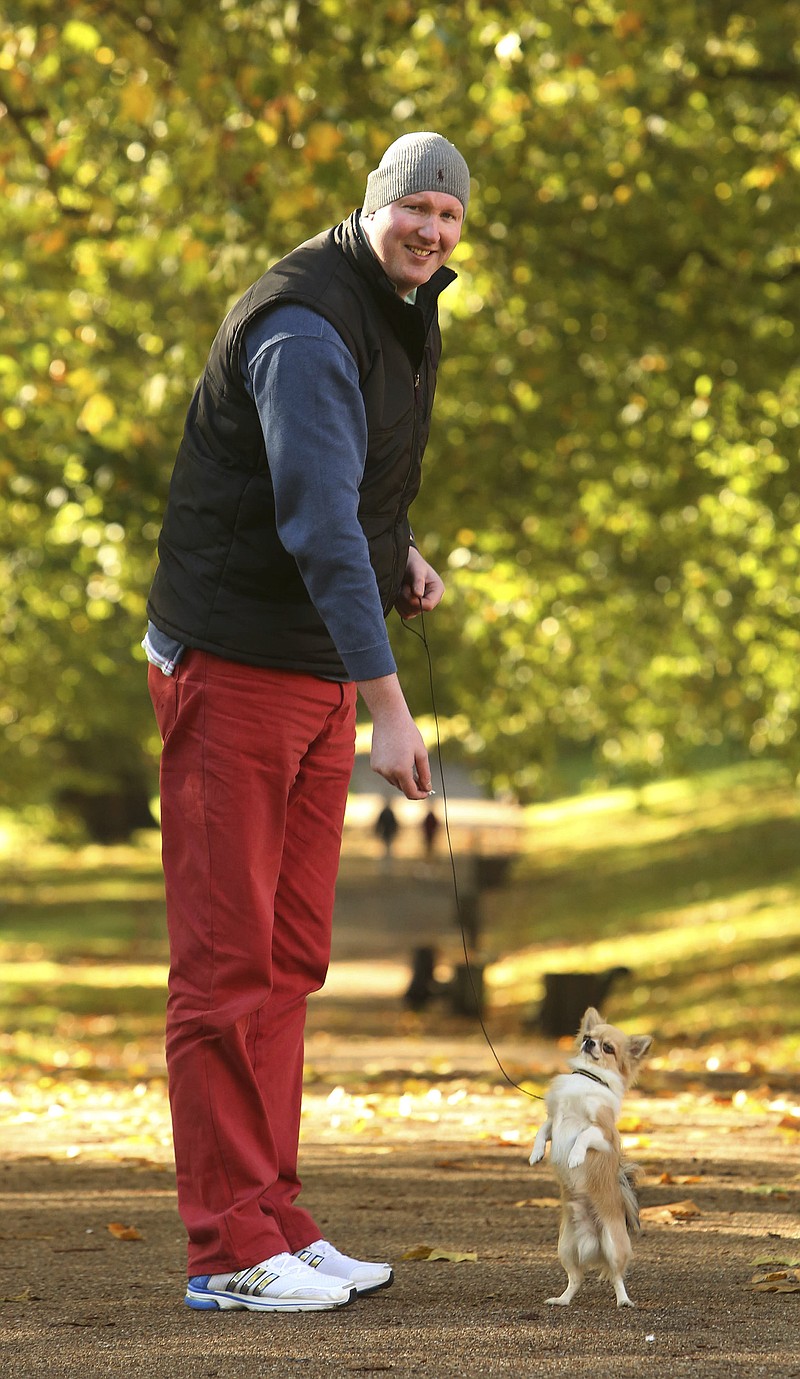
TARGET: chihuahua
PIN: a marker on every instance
(599, 1210)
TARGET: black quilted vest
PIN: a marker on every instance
(225, 583)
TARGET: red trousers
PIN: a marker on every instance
(254, 775)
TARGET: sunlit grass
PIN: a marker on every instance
(701, 976)
(694, 886)
(67, 905)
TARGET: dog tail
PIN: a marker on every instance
(629, 1175)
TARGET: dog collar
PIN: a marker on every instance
(584, 1072)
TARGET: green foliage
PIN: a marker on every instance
(611, 474)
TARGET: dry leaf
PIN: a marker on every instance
(632, 1125)
(24, 1296)
(121, 1232)
(454, 1256)
(680, 1178)
(776, 1281)
(417, 1252)
(433, 1253)
(670, 1212)
(538, 1202)
(789, 1123)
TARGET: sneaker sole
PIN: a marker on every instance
(221, 1302)
(366, 1288)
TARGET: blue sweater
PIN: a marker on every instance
(304, 382)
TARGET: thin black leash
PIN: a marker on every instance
(423, 637)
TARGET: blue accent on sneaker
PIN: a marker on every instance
(200, 1304)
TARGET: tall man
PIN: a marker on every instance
(285, 545)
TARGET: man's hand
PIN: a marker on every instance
(398, 751)
(422, 588)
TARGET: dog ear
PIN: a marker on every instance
(638, 1046)
(591, 1018)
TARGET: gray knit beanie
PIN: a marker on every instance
(422, 162)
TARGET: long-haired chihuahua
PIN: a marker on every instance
(599, 1210)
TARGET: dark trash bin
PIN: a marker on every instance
(567, 995)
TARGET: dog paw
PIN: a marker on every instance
(625, 1302)
(557, 1302)
(536, 1155)
(576, 1158)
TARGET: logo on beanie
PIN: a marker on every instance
(440, 175)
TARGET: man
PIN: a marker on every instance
(284, 546)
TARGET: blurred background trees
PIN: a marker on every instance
(612, 482)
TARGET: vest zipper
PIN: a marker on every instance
(414, 431)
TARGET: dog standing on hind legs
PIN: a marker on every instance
(599, 1210)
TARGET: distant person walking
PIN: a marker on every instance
(387, 829)
(430, 828)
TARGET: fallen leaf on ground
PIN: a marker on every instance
(632, 1125)
(670, 1212)
(680, 1178)
(433, 1253)
(776, 1281)
(538, 1202)
(122, 1232)
(769, 1262)
(789, 1123)
(24, 1296)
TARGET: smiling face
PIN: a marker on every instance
(414, 236)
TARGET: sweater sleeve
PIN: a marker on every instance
(304, 382)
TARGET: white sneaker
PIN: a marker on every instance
(280, 1284)
(365, 1277)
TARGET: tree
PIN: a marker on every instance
(610, 480)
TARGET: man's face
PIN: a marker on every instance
(414, 236)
